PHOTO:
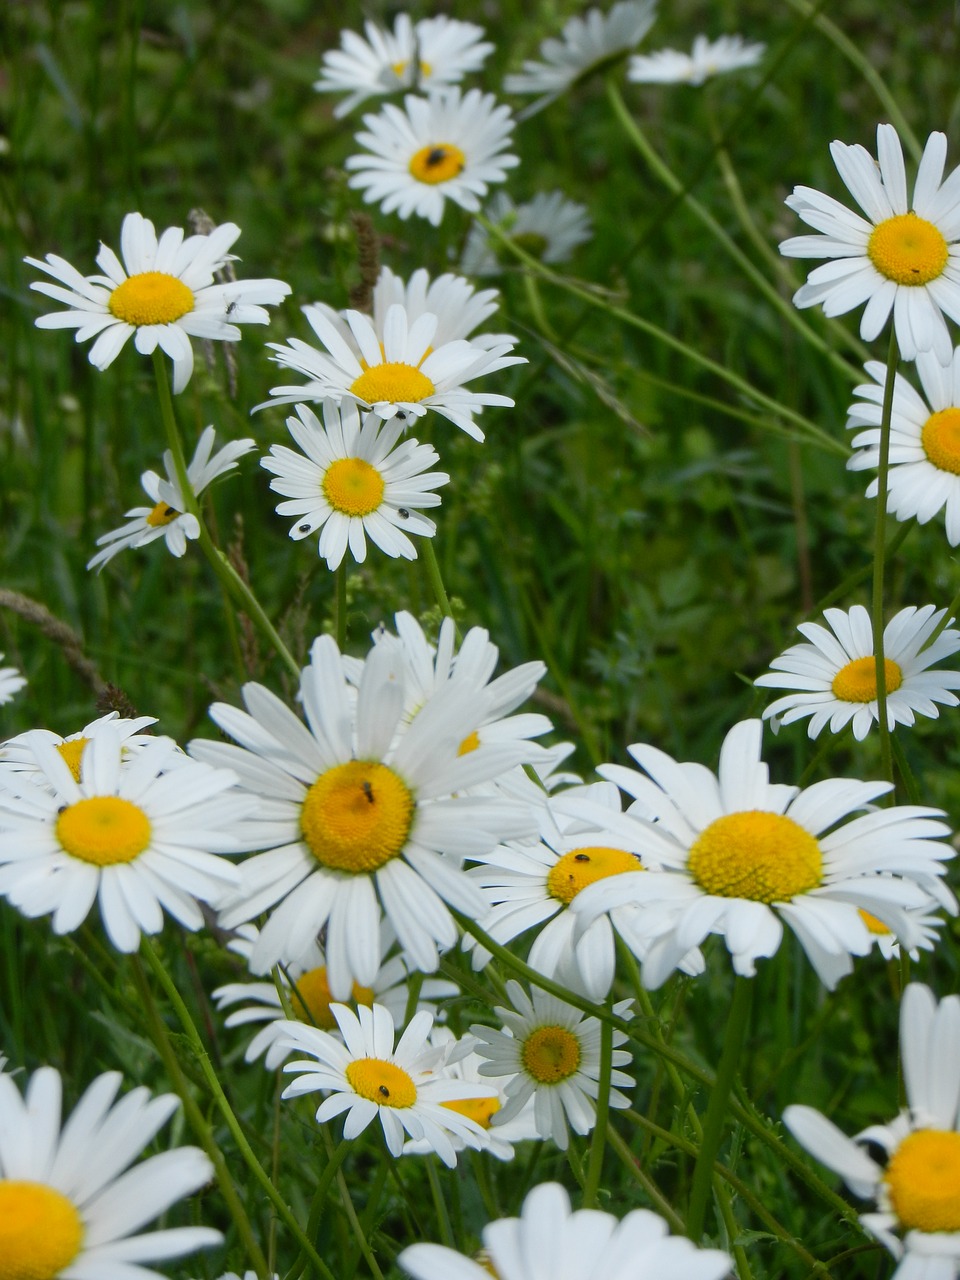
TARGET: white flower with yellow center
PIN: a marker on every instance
(168, 517)
(920, 931)
(368, 1078)
(162, 294)
(549, 227)
(741, 854)
(458, 306)
(17, 753)
(11, 682)
(834, 678)
(70, 1206)
(445, 146)
(708, 58)
(903, 257)
(917, 1186)
(134, 834)
(362, 816)
(551, 1053)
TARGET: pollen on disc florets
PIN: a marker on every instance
(72, 753)
(940, 438)
(41, 1231)
(357, 816)
(437, 163)
(103, 830)
(163, 514)
(352, 486)
(311, 996)
(765, 857)
(152, 297)
(923, 1180)
(857, 681)
(381, 1082)
(551, 1054)
(575, 870)
(480, 1110)
(908, 249)
(393, 383)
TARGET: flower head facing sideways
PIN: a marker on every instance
(11, 682)
(548, 227)
(708, 58)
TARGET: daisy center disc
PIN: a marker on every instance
(399, 69)
(152, 297)
(764, 857)
(40, 1231)
(550, 1054)
(470, 743)
(923, 1178)
(531, 242)
(481, 1110)
(873, 924)
(575, 870)
(381, 1082)
(72, 753)
(437, 163)
(392, 382)
(352, 486)
(104, 830)
(357, 816)
(162, 514)
(310, 999)
(940, 437)
(908, 249)
(857, 681)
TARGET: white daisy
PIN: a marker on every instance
(169, 518)
(917, 1186)
(708, 58)
(11, 682)
(458, 306)
(434, 51)
(924, 475)
(362, 816)
(445, 146)
(549, 1240)
(902, 257)
(834, 678)
(921, 933)
(548, 227)
(132, 833)
(368, 1078)
(17, 752)
(353, 480)
(551, 1053)
(741, 854)
(586, 45)
(70, 1205)
(164, 293)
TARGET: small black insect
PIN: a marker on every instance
(303, 528)
(403, 513)
(384, 1091)
(367, 790)
(581, 857)
(436, 156)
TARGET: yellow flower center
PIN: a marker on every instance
(765, 857)
(908, 249)
(873, 924)
(940, 438)
(152, 297)
(41, 1231)
(72, 753)
(357, 816)
(103, 830)
(575, 870)
(394, 383)
(923, 1178)
(162, 514)
(399, 69)
(353, 486)
(470, 743)
(437, 163)
(550, 1054)
(310, 999)
(857, 681)
(482, 1110)
(381, 1082)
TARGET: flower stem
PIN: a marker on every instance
(436, 579)
(340, 604)
(598, 1139)
(879, 555)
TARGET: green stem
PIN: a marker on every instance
(436, 578)
(599, 1137)
(655, 1195)
(854, 579)
(439, 1204)
(340, 604)
(879, 554)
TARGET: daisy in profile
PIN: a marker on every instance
(169, 518)
(833, 679)
(425, 54)
(708, 58)
(916, 1183)
(586, 45)
(445, 146)
(70, 1202)
(741, 855)
(902, 257)
(549, 227)
(369, 1079)
(549, 1239)
(18, 753)
(162, 294)
(11, 682)
(355, 480)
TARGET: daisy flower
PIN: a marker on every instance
(69, 1203)
(708, 58)
(833, 680)
(361, 816)
(551, 1053)
(445, 146)
(11, 682)
(134, 834)
(162, 294)
(17, 752)
(916, 1186)
(550, 1240)
(169, 518)
(902, 257)
(921, 932)
(740, 855)
(368, 1078)
(431, 52)
(586, 44)
(548, 227)
(458, 306)
(924, 475)
(355, 479)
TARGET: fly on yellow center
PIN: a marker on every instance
(104, 830)
(392, 383)
(481, 1110)
(311, 998)
(940, 437)
(352, 486)
(764, 857)
(152, 297)
(857, 681)
(908, 249)
(381, 1082)
(41, 1231)
(923, 1179)
(575, 870)
(72, 753)
(550, 1054)
(162, 514)
(357, 816)
(437, 163)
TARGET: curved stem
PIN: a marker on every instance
(599, 1137)
(879, 555)
(436, 580)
